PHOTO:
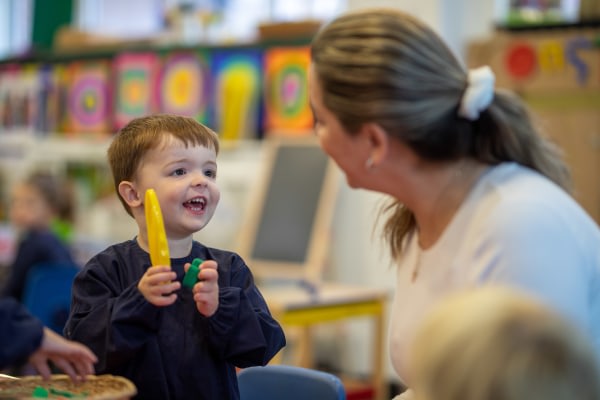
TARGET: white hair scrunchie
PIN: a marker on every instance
(479, 93)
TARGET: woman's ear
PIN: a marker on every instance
(379, 142)
(129, 194)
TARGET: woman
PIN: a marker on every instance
(478, 196)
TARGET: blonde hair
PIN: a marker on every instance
(387, 67)
(497, 343)
(133, 141)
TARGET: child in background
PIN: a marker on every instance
(172, 342)
(497, 343)
(38, 206)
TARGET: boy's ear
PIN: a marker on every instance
(129, 194)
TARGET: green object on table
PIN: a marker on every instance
(191, 276)
(40, 393)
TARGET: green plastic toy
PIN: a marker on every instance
(191, 276)
(40, 393)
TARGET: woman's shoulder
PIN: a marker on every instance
(518, 208)
(515, 181)
(513, 193)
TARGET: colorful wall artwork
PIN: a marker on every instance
(33, 98)
(88, 97)
(51, 106)
(529, 61)
(237, 83)
(14, 97)
(136, 77)
(524, 60)
(287, 109)
(241, 92)
(184, 86)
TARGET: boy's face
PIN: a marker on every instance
(185, 183)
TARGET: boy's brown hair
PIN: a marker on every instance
(135, 139)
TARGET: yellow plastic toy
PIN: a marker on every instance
(157, 238)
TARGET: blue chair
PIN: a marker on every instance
(47, 293)
(286, 382)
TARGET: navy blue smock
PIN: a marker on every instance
(171, 352)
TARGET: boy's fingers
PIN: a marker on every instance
(209, 264)
(156, 269)
(165, 300)
(208, 274)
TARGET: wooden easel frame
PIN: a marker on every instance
(311, 270)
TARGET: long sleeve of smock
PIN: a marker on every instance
(20, 333)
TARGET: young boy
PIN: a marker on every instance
(171, 341)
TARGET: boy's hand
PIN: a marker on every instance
(158, 284)
(206, 291)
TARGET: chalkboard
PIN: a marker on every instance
(288, 229)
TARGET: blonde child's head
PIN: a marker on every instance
(497, 343)
(39, 200)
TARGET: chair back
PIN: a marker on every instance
(286, 382)
(47, 293)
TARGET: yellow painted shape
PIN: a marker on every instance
(551, 56)
(238, 87)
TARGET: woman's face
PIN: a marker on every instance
(348, 151)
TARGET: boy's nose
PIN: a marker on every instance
(200, 180)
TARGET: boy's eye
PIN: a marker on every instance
(211, 173)
(179, 171)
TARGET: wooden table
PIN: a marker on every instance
(302, 308)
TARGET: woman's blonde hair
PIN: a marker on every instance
(387, 67)
(143, 134)
(496, 343)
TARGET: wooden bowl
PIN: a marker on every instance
(96, 387)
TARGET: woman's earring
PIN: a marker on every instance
(369, 163)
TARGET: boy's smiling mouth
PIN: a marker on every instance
(196, 204)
